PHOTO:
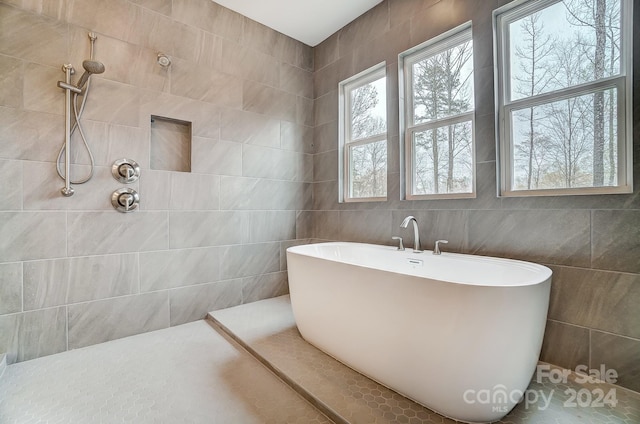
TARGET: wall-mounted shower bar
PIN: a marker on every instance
(67, 191)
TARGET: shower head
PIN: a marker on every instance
(90, 67)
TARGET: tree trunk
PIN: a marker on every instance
(450, 170)
(598, 97)
(434, 150)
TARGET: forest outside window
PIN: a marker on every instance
(438, 117)
(564, 97)
(363, 136)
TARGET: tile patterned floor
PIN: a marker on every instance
(267, 328)
(184, 374)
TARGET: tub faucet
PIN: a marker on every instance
(416, 235)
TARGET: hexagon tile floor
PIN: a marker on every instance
(185, 374)
(267, 330)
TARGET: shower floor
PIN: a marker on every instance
(267, 330)
(185, 374)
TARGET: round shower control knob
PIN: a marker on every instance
(125, 170)
(125, 199)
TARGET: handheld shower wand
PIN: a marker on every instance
(91, 67)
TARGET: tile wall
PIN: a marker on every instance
(263, 108)
(592, 243)
(73, 271)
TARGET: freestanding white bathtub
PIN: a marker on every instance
(460, 334)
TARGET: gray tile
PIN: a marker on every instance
(216, 157)
(296, 137)
(11, 188)
(304, 224)
(112, 102)
(32, 235)
(548, 236)
(249, 64)
(367, 226)
(249, 128)
(209, 16)
(206, 84)
(261, 98)
(617, 353)
(193, 303)
(596, 299)
(264, 287)
(276, 164)
(615, 240)
(34, 334)
(326, 108)
(325, 166)
(261, 194)
(32, 37)
(367, 26)
(154, 190)
(176, 268)
(11, 81)
(249, 260)
(272, 226)
(63, 281)
(194, 191)
(111, 19)
(160, 6)
(326, 225)
(41, 188)
(325, 195)
(29, 135)
(94, 233)
(118, 317)
(10, 288)
(296, 80)
(205, 228)
(325, 137)
(565, 345)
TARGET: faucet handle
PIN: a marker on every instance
(401, 246)
(436, 250)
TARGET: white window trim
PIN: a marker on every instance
(344, 131)
(407, 58)
(504, 106)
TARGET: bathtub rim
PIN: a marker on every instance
(545, 272)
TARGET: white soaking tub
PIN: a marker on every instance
(459, 334)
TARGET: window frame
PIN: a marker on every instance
(623, 83)
(406, 60)
(345, 142)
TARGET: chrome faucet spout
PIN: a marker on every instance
(416, 234)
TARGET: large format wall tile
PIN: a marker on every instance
(205, 228)
(64, 281)
(32, 37)
(616, 236)
(601, 300)
(272, 226)
(565, 345)
(30, 335)
(11, 81)
(117, 318)
(193, 303)
(262, 194)
(249, 260)
(93, 233)
(264, 287)
(269, 101)
(548, 236)
(617, 353)
(10, 288)
(11, 187)
(176, 268)
(30, 135)
(32, 235)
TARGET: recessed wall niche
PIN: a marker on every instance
(170, 144)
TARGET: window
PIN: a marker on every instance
(363, 136)
(437, 114)
(564, 97)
